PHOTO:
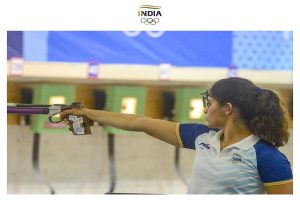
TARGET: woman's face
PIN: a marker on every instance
(214, 113)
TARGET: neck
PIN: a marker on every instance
(233, 133)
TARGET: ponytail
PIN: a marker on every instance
(270, 119)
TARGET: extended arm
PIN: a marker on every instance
(161, 129)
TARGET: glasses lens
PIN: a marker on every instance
(204, 102)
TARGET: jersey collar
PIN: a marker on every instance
(244, 144)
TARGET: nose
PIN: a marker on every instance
(205, 110)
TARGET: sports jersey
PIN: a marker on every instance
(244, 167)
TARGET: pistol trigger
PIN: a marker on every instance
(50, 119)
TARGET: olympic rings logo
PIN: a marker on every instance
(149, 21)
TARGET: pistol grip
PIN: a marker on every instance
(80, 125)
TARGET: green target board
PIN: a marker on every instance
(124, 99)
(189, 106)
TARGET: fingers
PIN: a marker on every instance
(63, 114)
(73, 111)
(66, 121)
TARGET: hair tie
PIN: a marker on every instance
(259, 91)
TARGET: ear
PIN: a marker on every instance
(228, 108)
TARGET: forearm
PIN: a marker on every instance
(161, 129)
(128, 122)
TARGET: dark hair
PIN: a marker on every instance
(260, 109)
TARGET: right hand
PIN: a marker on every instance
(73, 111)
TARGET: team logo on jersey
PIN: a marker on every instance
(236, 158)
(203, 145)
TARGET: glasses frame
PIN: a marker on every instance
(205, 96)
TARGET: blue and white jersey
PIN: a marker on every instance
(244, 167)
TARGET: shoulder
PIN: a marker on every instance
(273, 166)
(188, 132)
(265, 151)
(195, 129)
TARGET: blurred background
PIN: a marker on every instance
(159, 74)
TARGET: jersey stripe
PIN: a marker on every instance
(178, 135)
(278, 182)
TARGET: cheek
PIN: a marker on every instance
(215, 116)
(212, 112)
